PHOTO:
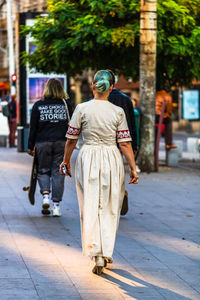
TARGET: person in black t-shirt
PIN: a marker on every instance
(48, 126)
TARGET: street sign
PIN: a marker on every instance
(190, 105)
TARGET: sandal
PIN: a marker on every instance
(99, 267)
(107, 260)
(98, 270)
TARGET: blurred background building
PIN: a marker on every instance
(18, 6)
(4, 71)
(32, 6)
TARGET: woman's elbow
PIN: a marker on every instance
(124, 144)
(71, 141)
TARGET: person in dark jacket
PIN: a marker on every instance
(48, 127)
(120, 99)
(12, 120)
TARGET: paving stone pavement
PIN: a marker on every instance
(157, 250)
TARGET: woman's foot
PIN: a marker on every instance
(99, 267)
(46, 205)
(167, 147)
(97, 270)
(56, 210)
(107, 260)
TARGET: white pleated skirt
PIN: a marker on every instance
(100, 188)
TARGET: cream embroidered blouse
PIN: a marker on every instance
(100, 122)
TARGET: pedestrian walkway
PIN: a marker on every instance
(157, 250)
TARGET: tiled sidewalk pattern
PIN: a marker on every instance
(157, 250)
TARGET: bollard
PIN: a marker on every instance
(20, 139)
(3, 140)
(192, 145)
(179, 145)
(172, 156)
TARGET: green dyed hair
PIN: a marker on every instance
(102, 81)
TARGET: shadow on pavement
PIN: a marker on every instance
(138, 287)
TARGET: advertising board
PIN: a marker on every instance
(190, 105)
(35, 81)
(30, 82)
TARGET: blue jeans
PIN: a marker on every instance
(50, 156)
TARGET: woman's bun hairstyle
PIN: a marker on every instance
(102, 81)
(113, 76)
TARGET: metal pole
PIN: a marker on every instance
(11, 58)
(148, 32)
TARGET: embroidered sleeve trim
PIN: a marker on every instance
(73, 131)
(123, 134)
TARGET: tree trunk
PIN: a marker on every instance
(148, 31)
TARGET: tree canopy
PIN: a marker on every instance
(98, 34)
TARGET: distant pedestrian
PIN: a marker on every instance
(136, 111)
(163, 96)
(48, 127)
(122, 100)
(12, 120)
(99, 168)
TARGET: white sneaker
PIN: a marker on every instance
(45, 202)
(56, 211)
(46, 205)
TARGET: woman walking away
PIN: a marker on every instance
(12, 120)
(99, 168)
(48, 126)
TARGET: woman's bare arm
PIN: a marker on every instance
(69, 148)
(127, 151)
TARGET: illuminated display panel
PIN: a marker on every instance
(35, 81)
(190, 105)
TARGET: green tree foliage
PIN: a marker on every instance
(97, 34)
(178, 48)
